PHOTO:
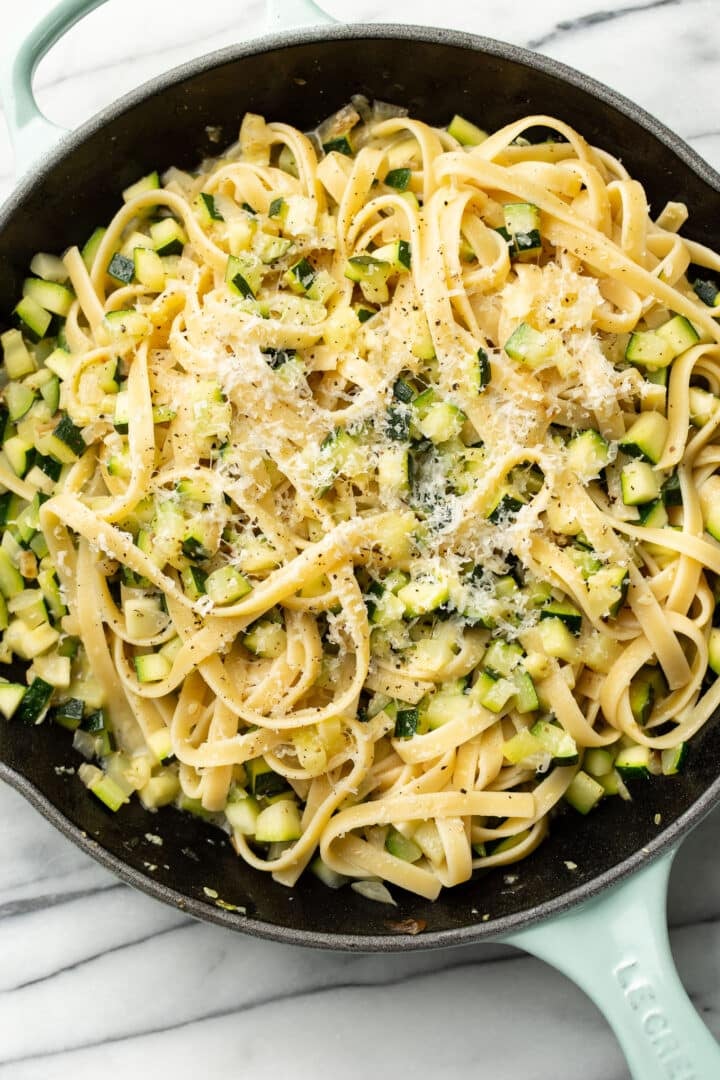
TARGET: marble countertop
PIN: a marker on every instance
(96, 978)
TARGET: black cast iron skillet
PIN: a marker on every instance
(616, 946)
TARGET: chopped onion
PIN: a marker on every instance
(373, 889)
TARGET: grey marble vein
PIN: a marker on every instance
(41, 901)
(594, 18)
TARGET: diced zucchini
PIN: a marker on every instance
(50, 295)
(524, 747)
(494, 694)
(278, 822)
(91, 246)
(484, 371)
(633, 761)
(16, 357)
(341, 145)
(29, 606)
(530, 346)
(654, 515)
(149, 269)
(121, 268)
(300, 276)
(103, 787)
(713, 644)
(19, 399)
(584, 792)
(11, 580)
(586, 561)
(679, 333)
(146, 183)
(34, 319)
(19, 454)
(646, 437)
(607, 588)
(35, 700)
(398, 179)
(526, 699)
(168, 237)
(28, 643)
(566, 612)
(557, 640)
(264, 782)
(11, 694)
(266, 639)
(402, 847)
(450, 703)
(707, 291)
(144, 615)
(502, 658)
(422, 596)
(406, 723)
(647, 687)
(504, 504)
(522, 229)
(226, 585)
(60, 362)
(371, 275)
(598, 762)
(127, 323)
(556, 741)
(646, 349)
(466, 133)
(587, 454)
(69, 714)
(160, 790)
(709, 503)
(244, 274)
(207, 209)
(397, 255)
(639, 483)
(242, 812)
(641, 696)
(50, 393)
(673, 759)
(442, 421)
(65, 443)
(54, 669)
(152, 667)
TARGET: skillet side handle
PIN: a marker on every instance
(617, 949)
(32, 134)
(289, 14)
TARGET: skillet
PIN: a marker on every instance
(591, 900)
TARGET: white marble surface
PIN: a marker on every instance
(96, 979)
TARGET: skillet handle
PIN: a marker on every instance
(32, 134)
(617, 949)
(287, 14)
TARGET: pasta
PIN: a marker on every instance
(361, 493)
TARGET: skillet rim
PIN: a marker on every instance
(472, 932)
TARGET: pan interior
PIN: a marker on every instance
(191, 115)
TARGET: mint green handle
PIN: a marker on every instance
(32, 134)
(287, 14)
(616, 948)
